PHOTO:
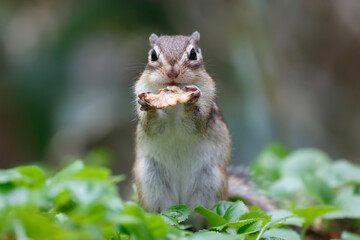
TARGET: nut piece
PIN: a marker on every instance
(168, 97)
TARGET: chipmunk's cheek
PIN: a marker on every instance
(189, 77)
(155, 78)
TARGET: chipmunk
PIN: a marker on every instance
(182, 152)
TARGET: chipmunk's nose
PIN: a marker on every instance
(173, 71)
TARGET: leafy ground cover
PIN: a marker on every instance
(318, 199)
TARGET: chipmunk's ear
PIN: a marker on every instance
(195, 37)
(153, 37)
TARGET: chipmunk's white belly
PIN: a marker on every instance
(177, 138)
(173, 169)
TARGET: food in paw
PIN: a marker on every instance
(168, 97)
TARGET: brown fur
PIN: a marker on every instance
(200, 120)
(173, 47)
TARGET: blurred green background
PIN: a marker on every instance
(286, 71)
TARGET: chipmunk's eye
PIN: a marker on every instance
(192, 55)
(154, 56)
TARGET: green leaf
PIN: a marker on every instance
(304, 161)
(286, 186)
(176, 233)
(223, 212)
(230, 211)
(235, 211)
(237, 225)
(134, 226)
(211, 236)
(140, 224)
(99, 156)
(134, 210)
(250, 228)
(212, 218)
(256, 213)
(92, 173)
(280, 218)
(221, 207)
(300, 184)
(157, 226)
(83, 192)
(280, 234)
(285, 217)
(175, 214)
(311, 213)
(16, 197)
(349, 236)
(170, 220)
(340, 173)
(67, 171)
(266, 165)
(35, 175)
(27, 221)
(348, 205)
(117, 178)
(29, 176)
(77, 170)
(9, 175)
(318, 189)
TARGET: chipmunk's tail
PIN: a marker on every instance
(240, 185)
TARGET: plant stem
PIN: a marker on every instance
(303, 232)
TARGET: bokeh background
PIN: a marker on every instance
(286, 71)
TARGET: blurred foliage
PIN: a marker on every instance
(82, 202)
(308, 177)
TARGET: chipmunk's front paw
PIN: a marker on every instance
(145, 105)
(195, 93)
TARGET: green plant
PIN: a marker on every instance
(82, 202)
(308, 177)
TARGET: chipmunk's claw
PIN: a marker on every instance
(195, 95)
(145, 105)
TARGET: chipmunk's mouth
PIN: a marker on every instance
(173, 83)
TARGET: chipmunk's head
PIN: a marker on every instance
(174, 60)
